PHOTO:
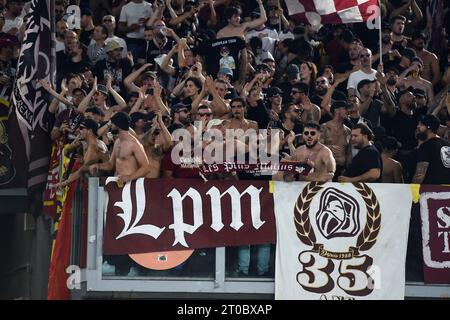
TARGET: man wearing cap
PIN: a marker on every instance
(235, 28)
(181, 117)
(109, 22)
(336, 135)
(156, 141)
(274, 106)
(114, 65)
(99, 95)
(431, 70)
(93, 150)
(128, 158)
(412, 77)
(366, 72)
(392, 169)
(292, 77)
(370, 107)
(421, 101)
(433, 163)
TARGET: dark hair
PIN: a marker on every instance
(231, 11)
(239, 99)
(203, 107)
(399, 17)
(365, 130)
(196, 81)
(104, 30)
(286, 108)
(312, 125)
(95, 110)
(302, 87)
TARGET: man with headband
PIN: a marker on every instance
(128, 158)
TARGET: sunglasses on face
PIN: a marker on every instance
(309, 133)
(107, 20)
(205, 114)
(365, 56)
(321, 81)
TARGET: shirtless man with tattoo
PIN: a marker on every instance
(336, 136)
(128, 158)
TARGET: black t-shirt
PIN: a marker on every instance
(404, 128)
(367, 158)
(222, 53)
(374, 111)
(119, 71)
(150, 51)
(260, 114)
(86, 37)
(436, 152)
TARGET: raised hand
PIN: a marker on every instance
(46, 84)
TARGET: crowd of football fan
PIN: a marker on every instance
(135, 72)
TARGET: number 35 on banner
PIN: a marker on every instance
(357, 276)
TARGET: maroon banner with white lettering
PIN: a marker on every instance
(435, 214)
(150, 215)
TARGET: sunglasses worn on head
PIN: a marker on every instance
(309, 133)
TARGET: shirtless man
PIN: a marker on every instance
(237, 29)
(315, 155)
(431, 70)
(94, 150)
(238, 120)
(412, 77)
(99, 95)
(156, 141)
(128, 158)
(336, 135)
(392, 170)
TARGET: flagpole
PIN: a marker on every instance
(380, 33)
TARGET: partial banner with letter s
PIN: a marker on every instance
(341, 241)
(435, 215)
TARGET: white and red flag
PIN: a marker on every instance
(320, 12)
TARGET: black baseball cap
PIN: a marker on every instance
(177, 107)
(408, 53)
(418, 34)
(364, 82)
(431, 122)
(273, 92)
(89, 124)
(419, 93)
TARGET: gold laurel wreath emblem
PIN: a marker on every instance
(366, 238)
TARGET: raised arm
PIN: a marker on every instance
(170, 70)
(85, 102)
(262, 18)
(117, 97)
(59, 97)
(129, 81)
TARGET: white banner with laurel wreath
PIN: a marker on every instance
(341, 241)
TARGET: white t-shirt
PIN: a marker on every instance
(131, 14)
(265, 33)
(60, 46)
(358, 76)
(11, 24)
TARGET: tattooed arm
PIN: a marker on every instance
(421, 171)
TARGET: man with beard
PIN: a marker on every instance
(238, 120)
(354, 115)
(300, 97)
(157, 141)
(367, 165)
(433, 166)
(391, 57)
(181, 117)
(345, 69)
(128, 158)
(336, 135)
(291, 119)
(327, 94)
(12, 15)
(114, 65)
(431, 70)
(61, 28)
(366, 72)
(314, 154)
